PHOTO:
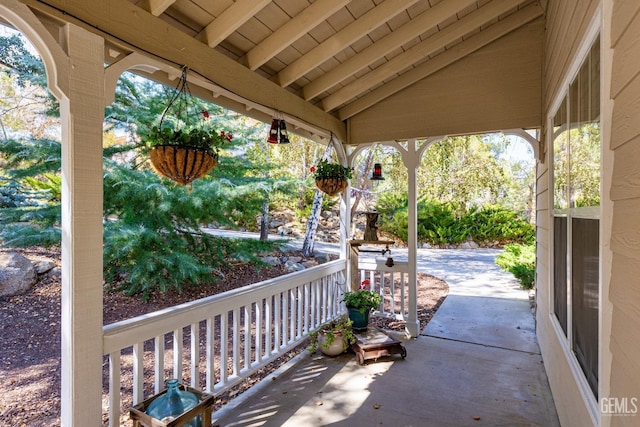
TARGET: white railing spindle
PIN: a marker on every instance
(138, 374)
(114, 389)
(195, 355)
(211, 354)
(177, 353)
(158, 366)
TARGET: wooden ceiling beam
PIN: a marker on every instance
(131, 27)
(231, 19)
(343, 38)
(459, 51)
(429, 19)
(291, 31)
(157, 7)
(420, 51)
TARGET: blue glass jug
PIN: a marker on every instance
(174, 403)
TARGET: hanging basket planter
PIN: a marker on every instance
(184, 146)
(332, 186)
(331, 178)
(182, 164)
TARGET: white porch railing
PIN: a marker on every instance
(217, 341)
(391, 283)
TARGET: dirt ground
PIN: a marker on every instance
(30, 336)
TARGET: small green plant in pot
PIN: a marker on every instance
(359, 304)
(333, 338)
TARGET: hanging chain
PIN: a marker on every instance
(179, 101)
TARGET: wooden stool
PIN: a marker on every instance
(373, 343)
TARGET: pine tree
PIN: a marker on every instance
(152, 230)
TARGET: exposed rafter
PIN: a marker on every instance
(157, 7)
(343, 38)
(291, 31)
(231, 19)
(417, 53)
(452, 55)
(419, 25)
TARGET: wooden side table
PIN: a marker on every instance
(373, 344)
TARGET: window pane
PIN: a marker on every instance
(584, 136)
(560, 270)
(585, 245)
(560, 158)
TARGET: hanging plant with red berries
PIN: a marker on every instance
(184, 145)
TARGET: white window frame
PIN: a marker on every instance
(594, 30)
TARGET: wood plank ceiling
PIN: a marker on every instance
(338, 57)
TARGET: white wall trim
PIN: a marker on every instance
(576, 371)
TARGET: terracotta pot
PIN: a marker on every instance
(182, 164)
(332, 186)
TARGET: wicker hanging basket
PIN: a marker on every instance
(182, 164)
(183, 146)
(332, 186)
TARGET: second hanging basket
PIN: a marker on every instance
(332, 186)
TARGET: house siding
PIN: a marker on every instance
(567, 22)
(624, 287)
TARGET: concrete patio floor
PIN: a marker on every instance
(476, 364)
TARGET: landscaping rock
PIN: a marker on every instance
(55, 273)
(42, 265)
(17, 274)
(321, 258)
(272, 260)
(293, 266)
(275, 224)
(295, 258)
(282, 230)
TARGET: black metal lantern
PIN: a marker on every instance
(283, 136)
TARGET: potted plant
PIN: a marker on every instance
(359, 304)
(183, 145)
(334, 337)
(331, 178)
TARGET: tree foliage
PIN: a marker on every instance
(152, 227)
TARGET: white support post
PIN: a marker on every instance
(411, 159)
(82, 114)
(345, 221)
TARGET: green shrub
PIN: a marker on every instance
(495, 223)
(448, 223)
(519, 260)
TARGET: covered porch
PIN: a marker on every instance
(443, 68)
(477, 361)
